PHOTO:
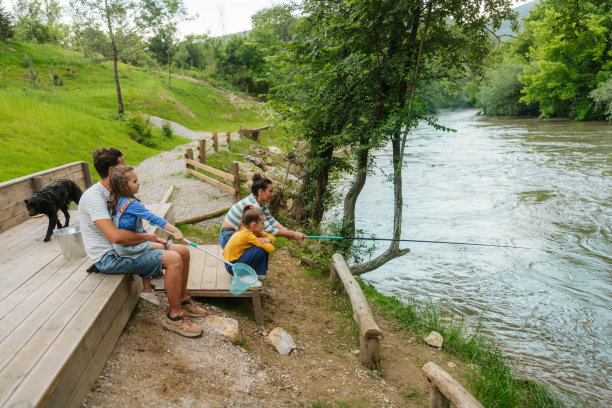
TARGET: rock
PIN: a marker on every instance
(434, 339)
(275, 150)
(256, 161)
(282, 340)
(247, 170)
(225, 326)
(309, 262)
(289, 204)
(451, 364)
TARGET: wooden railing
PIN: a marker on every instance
(209, 145)
(233, 176)
(369, 333)
(13, 210)
(445, 389)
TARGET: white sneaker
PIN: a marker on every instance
(256, 284)
(150, 297)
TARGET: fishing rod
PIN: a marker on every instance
(421, 241)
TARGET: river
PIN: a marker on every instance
(524, 182)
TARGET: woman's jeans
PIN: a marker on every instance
(224, 236)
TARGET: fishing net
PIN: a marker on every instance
(244, 278)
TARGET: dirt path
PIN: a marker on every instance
(151, 367)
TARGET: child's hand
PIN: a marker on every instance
(178, 236)
(264, 240)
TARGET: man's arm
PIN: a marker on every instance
(123, 237)
(283, 232)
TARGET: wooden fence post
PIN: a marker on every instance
(335, 279)
(240, 132)
(189, 155)
(229, 141)
(37, 183)
(87, 174)
(202, 151)
(446, 390)
(215, 141)
(437, 399)
(235, 171)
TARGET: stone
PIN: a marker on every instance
(451, 364)
(282, 340)
(225, 326)
(434, 339)
(275, 150)
(256, 161)
(247, 170)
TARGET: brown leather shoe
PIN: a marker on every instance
(182, 325)
(191, 308)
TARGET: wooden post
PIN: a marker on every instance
(437, 399)
(215, 141)
(202, 151)
(87, 174)
(167, 195)
(229, 141)
(335, 279)
(189, 155)
(240, 132)
(37, 182)
(235, 171)
(445, 389)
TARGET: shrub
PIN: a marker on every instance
(26, 61)
(142, 126)
(166, 129)
(31, 76)
(602, 97)
(56, 78)
(501, 91)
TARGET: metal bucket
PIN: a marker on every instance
(70, 242)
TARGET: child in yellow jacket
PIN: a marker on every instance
(250, 244)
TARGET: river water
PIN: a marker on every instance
(524, 182)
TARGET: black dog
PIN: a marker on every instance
(49, 200)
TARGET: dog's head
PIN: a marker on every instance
(36, 205)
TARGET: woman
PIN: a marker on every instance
(262, 192)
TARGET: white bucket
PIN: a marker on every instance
(70, 242)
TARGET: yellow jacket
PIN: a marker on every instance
(242, 240)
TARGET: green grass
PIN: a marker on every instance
(47, 126)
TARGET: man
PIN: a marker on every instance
(99, 233)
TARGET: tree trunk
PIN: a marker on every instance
(322, 182)
(169, 71)
(350, 201)
(115, 58)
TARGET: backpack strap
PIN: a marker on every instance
(125, 206)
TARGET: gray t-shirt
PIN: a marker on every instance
(92, 207)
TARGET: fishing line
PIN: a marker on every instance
(422, 241)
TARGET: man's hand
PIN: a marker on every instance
(297, 235)
(160, 240)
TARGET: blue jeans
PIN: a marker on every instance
(147, 265)
(255, 257)
(224, 236)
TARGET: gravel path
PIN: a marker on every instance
(191, 196)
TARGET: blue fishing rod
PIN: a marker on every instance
(421, 241)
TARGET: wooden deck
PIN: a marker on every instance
(59, 323)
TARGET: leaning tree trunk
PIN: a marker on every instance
(322, 182)
(115, 58)
(350, 201)
(393, 251)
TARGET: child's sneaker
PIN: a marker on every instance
(150, 297)
(256, 285)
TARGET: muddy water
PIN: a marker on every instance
(526, 182)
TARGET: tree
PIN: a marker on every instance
(29, 20)
(500, 93)
(112, 15)
(279, 19)
(159, 19)
(570, 56)
(355, 66)
(6, 25)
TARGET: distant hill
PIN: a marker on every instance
(523, 11)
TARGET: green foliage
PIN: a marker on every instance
(55, 78)
(166, 129)
(500, 92)
(6, 25)
(31, 77)
(26, 61)
(602, 97)
(570, 56)
(142, 126)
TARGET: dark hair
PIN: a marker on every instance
(259, 182)
(104, 159)
(250, 214)
(118, 185)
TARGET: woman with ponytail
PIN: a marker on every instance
(262, 192)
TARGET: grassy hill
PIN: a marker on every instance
(43, 125)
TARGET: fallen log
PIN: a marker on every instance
(204, 216)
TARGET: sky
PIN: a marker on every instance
(220, 17)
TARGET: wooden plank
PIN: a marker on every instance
(14, 236)
(212, 170)
(24, 269)
(196, 268)
(449, 388)
(14, 221)
(224, 279)
(4, 185)
(204, 216)
(210, 181)
(209, 280)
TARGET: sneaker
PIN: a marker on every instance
(192, 309)
(256, 285)
(150, 297)
(182, 325)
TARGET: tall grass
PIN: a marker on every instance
(49, 125)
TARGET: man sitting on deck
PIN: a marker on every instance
(99, 233)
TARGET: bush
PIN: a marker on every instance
(6, 25)
(26, 61)
(56, 78)
(499, 95)
(602, 97)
(166, 129)
(141, 125)
(31, 76)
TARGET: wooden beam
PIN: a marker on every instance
(443, 383)
(167, 195)
(212, 170)
(189, 155)
(235, 171)
(87, 174)
(229, 141)
(370, 334)
(215, 139)
(204, 216)
(210, 181)
(202, 151)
